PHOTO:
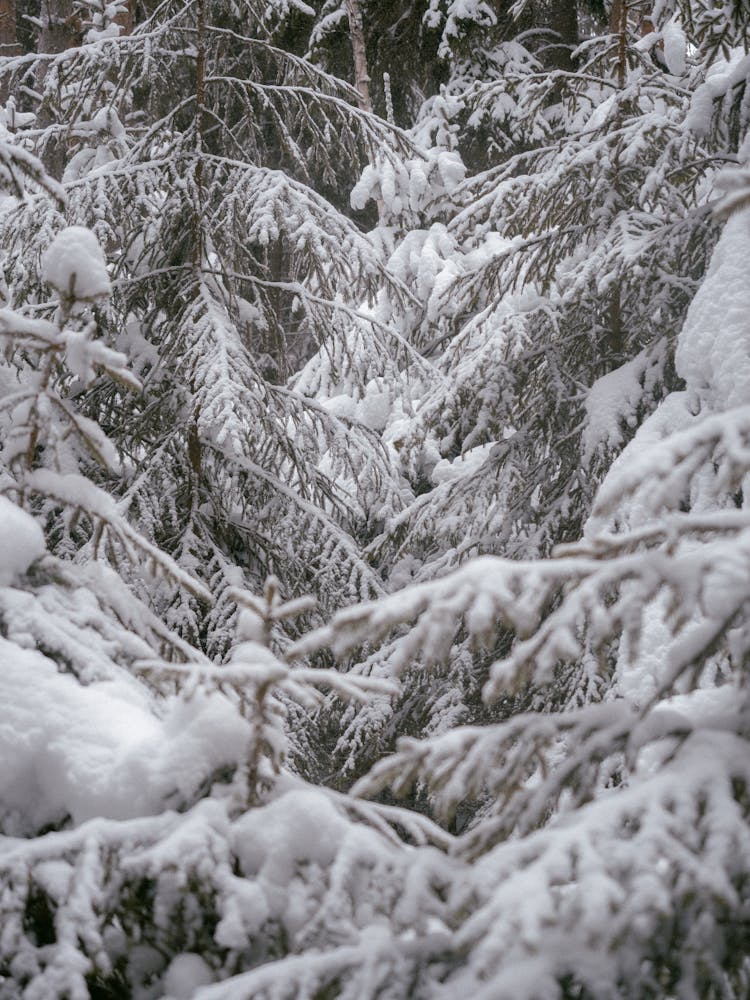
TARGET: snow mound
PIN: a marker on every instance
(186, 973)
(446, 470)
(712, 352)
(612, 403)
(93, 750)
(712, 356)
(74, 265)
(21, 541)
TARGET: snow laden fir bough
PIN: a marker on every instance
(168, 850)
(609, 854)
(90, 754)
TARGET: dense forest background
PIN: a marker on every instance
(374, 552)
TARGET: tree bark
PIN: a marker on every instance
(562, 20)
(361, 74)
(618, 25)
(61, 30)
(8, 35)
(8, 43)
(125, 18)
(357, 35)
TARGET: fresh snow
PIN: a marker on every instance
(21, 541)
(199, 768)
(95, 750)
(186, 974)
(74, 265)
(612, 404)
(713, 352)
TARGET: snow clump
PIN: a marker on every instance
(21, 541)
(74, 265)
(186, 973)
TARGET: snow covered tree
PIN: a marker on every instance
(152, 842)
(556, 297)
(506, 363)
(550, 290)
(197, 149)
(152, 838)
(608, 851)
(407, 40)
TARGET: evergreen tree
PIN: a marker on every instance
(153, 841)
(607, 851)
(552, 288)
(152, 838)
(513, 359)
(192, 143)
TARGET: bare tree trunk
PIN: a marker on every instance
(198, 248)
(615, 13)
(200, 116)
(562, 19)
(357, 35)
(125, 18)
(61, 30)
(618, 25)
(8, 43)
(8, 37)
(361, 74)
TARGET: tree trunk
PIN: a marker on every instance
(618, 25)
(361, 74)
(8, 37)
(357, 35)
(562, 20)
(61, 30)
(125, 18)
(198, 250)
(8, 43)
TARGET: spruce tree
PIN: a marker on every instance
(513, 365)
(197, 150)
(550, 291)
(152, 837)
(606, 849)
